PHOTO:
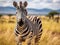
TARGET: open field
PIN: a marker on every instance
(50, 36)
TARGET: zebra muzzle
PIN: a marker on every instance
(21, 22)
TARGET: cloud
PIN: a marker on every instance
(53, 4)
(56, 1)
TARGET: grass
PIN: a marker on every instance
(50, 35)
(51, 32)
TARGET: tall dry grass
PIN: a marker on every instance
(50, 35)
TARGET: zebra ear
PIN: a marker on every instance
(25, 4)
(15, 4)
(20, 3)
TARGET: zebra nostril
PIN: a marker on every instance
(21, 22)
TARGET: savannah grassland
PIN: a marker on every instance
(50, 35)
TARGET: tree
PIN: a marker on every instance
(52, 13)
(0, 15)
(57, 18)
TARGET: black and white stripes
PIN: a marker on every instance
(23, 31)
(37, 24)
(26, 29)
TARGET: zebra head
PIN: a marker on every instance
(21, 12)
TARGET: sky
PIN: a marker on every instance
(37, 4)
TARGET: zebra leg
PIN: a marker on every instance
(28, 41)
(33, 40)
(29, 38)
(19, 40)
(19, 43)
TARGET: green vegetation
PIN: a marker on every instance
(52, 14)
(0, 15)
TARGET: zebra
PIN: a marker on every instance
(27, 29)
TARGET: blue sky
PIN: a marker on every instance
(38, 4)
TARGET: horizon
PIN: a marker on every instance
(12, 10)
(31, 8)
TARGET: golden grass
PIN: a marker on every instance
(50, 35)
(51, 32)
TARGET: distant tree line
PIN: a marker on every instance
(52, 14)
(8, 15)
(10, 21)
